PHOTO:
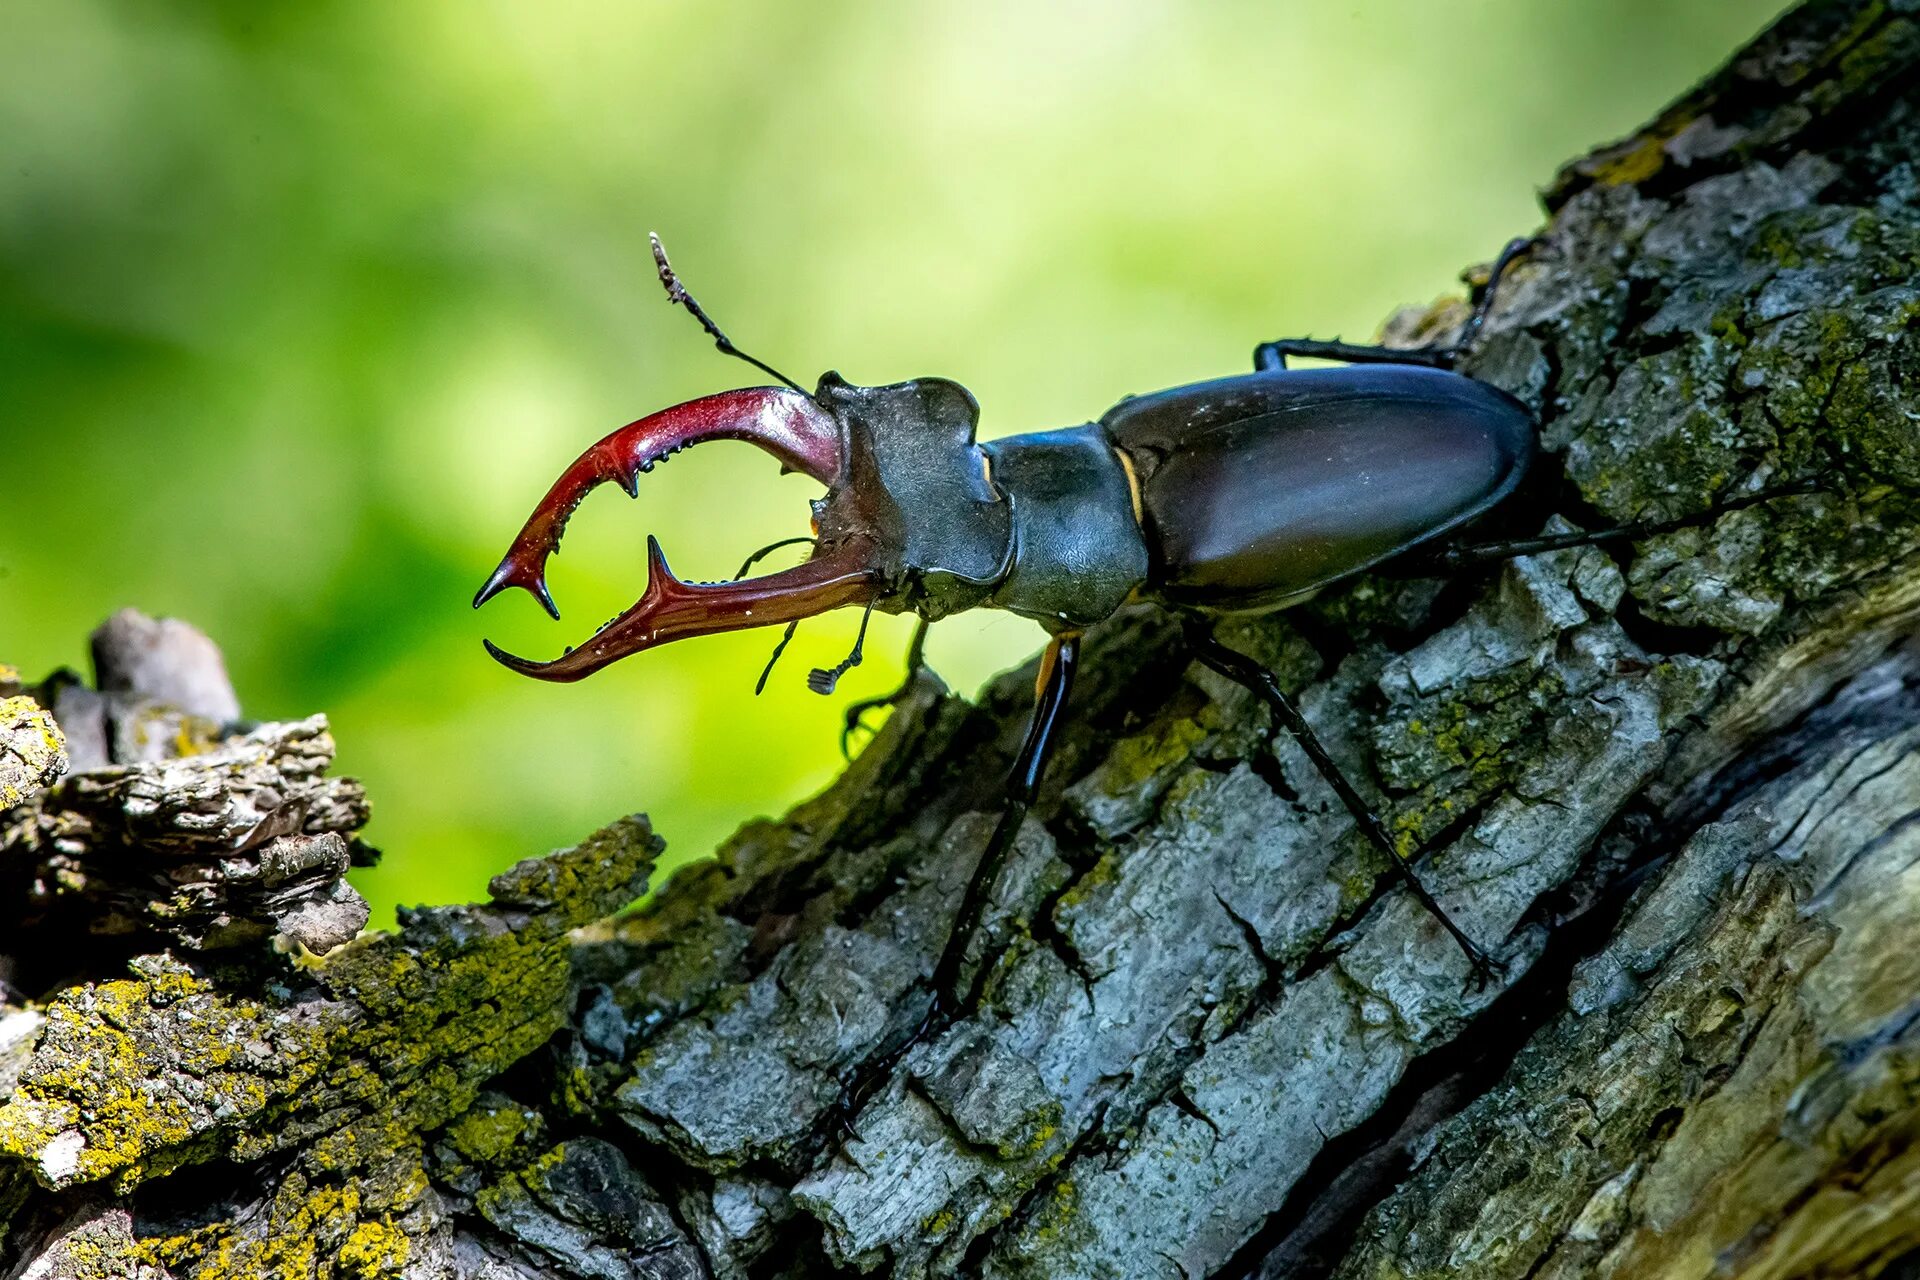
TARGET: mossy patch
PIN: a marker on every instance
(138, 1076)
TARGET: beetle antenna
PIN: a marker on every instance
(760, 685)
(759, 555)
(821, 679)
(786, 637)
(677, 293)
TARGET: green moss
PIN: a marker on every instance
(1780, 243)
(1056, 1220)
(345, 1230)
(1470, 728)
(139, 1076)
(1100, 874)
(486, 1134)
(1137, 760)
(495, 1200)
(1639, 158)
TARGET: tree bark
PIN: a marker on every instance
(1675, 788)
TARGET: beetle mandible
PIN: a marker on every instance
(1242, 494)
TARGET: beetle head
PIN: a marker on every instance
(910, 519)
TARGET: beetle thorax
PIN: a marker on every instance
(917, 485)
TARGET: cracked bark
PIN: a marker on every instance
(1678, 787)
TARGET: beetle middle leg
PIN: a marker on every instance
(1273, 355)
(1244, 671)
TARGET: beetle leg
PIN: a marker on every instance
(763, 552)
(1244, 671)
(1055, 682)
(1471, 554)
(1273, 355)
(823, 680)
(786, 638)
(856, 712)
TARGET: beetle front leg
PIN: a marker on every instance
(1054, 683)
(1244, 671)
(1273, 355)
(916, 662)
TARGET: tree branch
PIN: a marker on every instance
(1675, 785)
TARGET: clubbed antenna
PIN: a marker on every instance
(760, 685)
(823, 679)
(677, 293)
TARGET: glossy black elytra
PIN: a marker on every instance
(1242, 494)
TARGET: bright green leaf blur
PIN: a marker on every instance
(302, 307)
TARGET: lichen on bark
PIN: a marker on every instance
(1673, 786)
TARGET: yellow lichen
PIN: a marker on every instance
(487, 1133)
(1639, 158)
(28, 763)
(372, 1249)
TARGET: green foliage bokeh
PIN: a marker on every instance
(302, 307)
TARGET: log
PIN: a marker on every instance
(1674, 787)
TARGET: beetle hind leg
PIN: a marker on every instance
(1274, 355)
(1244, 671)
(1468, 555)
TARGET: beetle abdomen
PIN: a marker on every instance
(1260, 489)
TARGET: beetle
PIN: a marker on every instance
(1243, 494)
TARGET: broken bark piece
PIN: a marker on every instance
(33, 752)
(177, 823)
(1730, 1090)
(581, 1210)
(217, 849)
(165, 660)
(382, 1041)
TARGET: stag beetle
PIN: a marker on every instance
(1242, 494)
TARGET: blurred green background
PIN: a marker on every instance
(302, 306)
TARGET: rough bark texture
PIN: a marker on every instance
(1675, 788)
